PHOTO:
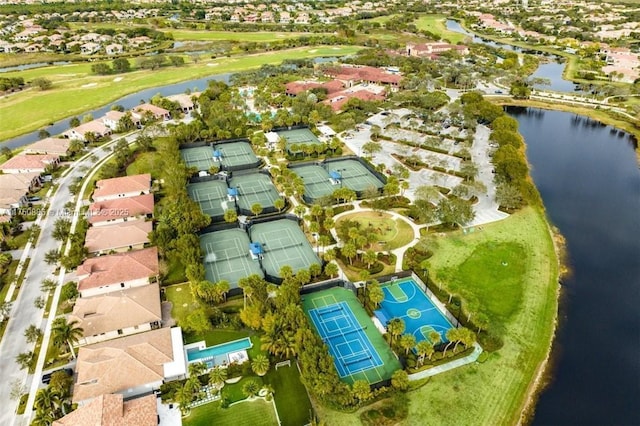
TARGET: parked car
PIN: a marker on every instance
(46, 378)
(498, 92)
(33, 198)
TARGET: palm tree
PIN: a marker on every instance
(66, 333)
(260, 365)
(395, 328)
(48, 399)
(400, 380)
(32, 333)
(466, 337)
(278, 203)
(183, 398)
(349, 251)
(376, 295)
(370, 257)
(256, 209)
(434, 337)
(453, 335)
(43, 418)
(424, 348)
(230, 216)
(482, 321)
(251, 388)
(331, 269)
(407, 342)
(25, 359)
(5, 309)
(217, 376)
(361, 390)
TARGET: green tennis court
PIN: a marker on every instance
(200, 157)
(299, 137)
(226, 256)
(255, 188)
(284, 243)
(354, 174)
(343, 308)
(316, 181)
(211, 196)
(236, 155)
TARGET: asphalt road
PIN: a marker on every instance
(24, 313)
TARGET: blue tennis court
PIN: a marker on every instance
(348, 344)
(406, 300)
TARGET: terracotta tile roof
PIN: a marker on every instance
(118, 268)
(364, 73)
(24, 161)
(118, 235)
(113, 115)
(95, 126)
(18, 180)
(185, 101)
(50, 146)
(122, 185)
(155, 110)
(118, 310)
(120, 208)
(121, 364)
(112, 410)
(339, 99)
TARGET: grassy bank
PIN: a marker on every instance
(493, 392)
(264, 37)
(76, 90)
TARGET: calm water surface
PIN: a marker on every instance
(590, 182)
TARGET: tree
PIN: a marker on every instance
(18, 388)
(361, 390)
(331, 269)
(455, 211)
(230, 216)
(400, 380)
(43, 133)
(376, 295)
(370, 257)
(48, 285)
(61, 382)
(197, 322)
(424, 349)
(101, 68)
(121, 65)
(66, 333)
(508, 196)
(434, 337)
(25, 359)
(74, 122)
(32, 333)
(453, 335)
(260, 365)
(5, 309)
(349, 251)
(217, 376)
(395, 328)
(39, 302)
(256, 209)
(407, 342)
(251, 388)
(176, 61)
(465, 336)
(42, 83)
(278, 203)
(61, 229)
(481, 321)
(371, 148)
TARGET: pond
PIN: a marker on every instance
(588, 176)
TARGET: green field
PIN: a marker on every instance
(76, 91)
(292, 401)
(436, 24)
(493, 392)
(392, 232)
(252, 413)
(187, 35)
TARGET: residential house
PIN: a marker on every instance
(119, 237)
(132, 365)
(285, 18)
(29, 163)
(113, 410)
(105, 274)
(122, 187)
(185, 101)
(95, 127)
(55, 146)
(89, 48)
(302, 19)
(107, 212)
(10, 200)
(27, 182)
(121, 313)
(157, 112)
(113, 49)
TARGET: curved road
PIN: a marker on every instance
(24, 313)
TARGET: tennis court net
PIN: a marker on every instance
(341, 333)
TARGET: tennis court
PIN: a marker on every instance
(200, 157)
(316, 181)
(236, 155)
(212, 197)
(405, 299)
(226, 256)
(255, 188)
(284, 243)
(354, 174)
(358, 349)
(299, 137)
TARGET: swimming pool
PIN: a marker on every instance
(222, 349)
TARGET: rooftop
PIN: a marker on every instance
(118, 235)
(122, 185)
(113, 410)
(118, 268)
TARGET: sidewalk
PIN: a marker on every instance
(472, 357)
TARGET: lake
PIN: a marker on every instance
(589, 180)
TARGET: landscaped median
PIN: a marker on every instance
(75, 90)
(495, 391)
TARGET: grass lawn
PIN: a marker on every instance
(233, 392)
(436, 24)
(493, 392)
(251, 413)
(292, 401)
(175, 269)
(394, 232)
(190, 35)
(76, 90)
(146, 162)
(182, 300)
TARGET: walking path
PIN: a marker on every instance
(472, 357)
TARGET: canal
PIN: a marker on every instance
(589, 180)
